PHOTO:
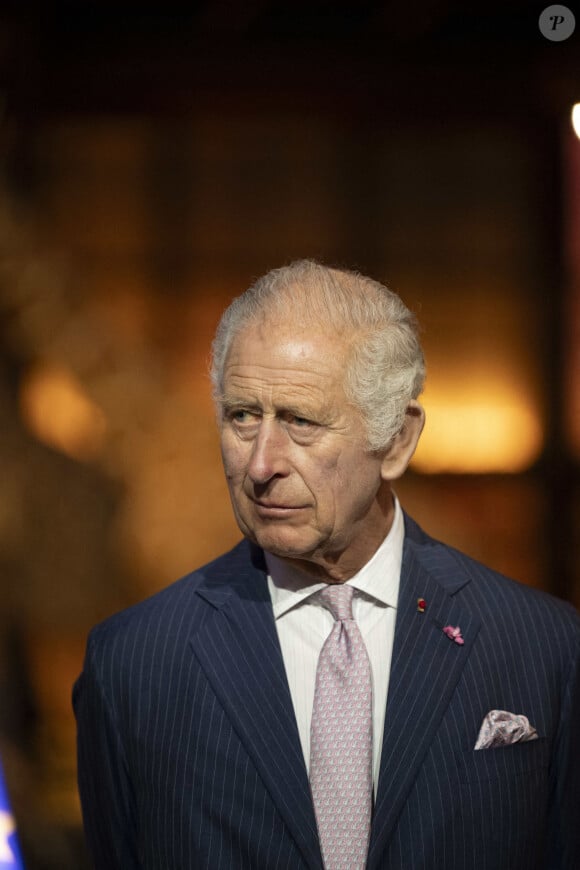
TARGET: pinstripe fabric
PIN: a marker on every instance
(193, 760)
(189, 755)
(441, 804)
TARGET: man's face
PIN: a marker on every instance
(302, 483)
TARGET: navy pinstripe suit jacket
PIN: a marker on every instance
(189, 755)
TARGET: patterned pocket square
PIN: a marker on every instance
(500, 728)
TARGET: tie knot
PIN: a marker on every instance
(338, 599)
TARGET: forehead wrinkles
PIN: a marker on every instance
(270, 356)
(262, 381)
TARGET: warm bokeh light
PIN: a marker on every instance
(58, 412)
(490, 429)
(576, 118)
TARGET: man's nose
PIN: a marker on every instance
(269, 449)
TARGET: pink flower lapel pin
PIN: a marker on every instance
(454, 633)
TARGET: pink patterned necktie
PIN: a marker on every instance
(342, 738)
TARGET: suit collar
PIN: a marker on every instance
(439, 560)
(426, 667)
(238, 649)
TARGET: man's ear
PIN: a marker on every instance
(402, 447)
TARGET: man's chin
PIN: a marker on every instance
(286, 544)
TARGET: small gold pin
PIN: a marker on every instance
(421, 605)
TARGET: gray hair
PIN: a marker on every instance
(385, 369)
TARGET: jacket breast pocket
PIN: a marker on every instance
(506, 762)
(504, 795)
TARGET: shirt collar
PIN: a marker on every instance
(378, 579)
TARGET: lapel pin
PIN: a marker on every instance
(421, 605)
(454, 633)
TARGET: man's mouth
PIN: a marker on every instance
(273, 508)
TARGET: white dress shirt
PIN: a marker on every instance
(303, 625)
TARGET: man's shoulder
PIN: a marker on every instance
(486, 589)
(177, 605)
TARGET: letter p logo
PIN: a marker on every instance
(557, 23)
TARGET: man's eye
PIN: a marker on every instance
(301, 422)
(242, 416)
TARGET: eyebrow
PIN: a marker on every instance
(230, 403)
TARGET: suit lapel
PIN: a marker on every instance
(239, 651)
(426, 666)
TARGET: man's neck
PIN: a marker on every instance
(342, 564)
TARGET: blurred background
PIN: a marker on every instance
(154, 159)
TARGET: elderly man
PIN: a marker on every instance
(339, 690)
